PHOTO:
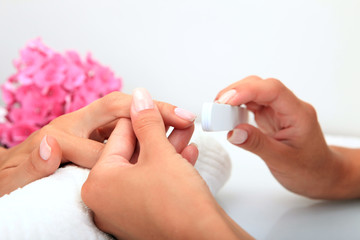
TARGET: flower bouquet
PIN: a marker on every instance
(48, 84)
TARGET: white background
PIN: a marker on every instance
(184, 52)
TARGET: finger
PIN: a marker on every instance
(180, 138)
(175, 116)
(225, 95)
(190, 153)
(117, 105)
(252, 139)
(135, 156)
(148, 124)
(103, 133)
(42, 162)
(81, 151)
(121, 144)
(269, 92)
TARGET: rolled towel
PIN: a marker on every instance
(214, 163)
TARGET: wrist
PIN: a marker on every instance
(211, 222)
(346, 174)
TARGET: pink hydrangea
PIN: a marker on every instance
(48, 84)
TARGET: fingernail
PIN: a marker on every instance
(185, 114)
(238, 136)
(194, 144)
(224, 98)
(142, 100)
(45, 149)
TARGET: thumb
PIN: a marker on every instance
(147, 123)
(42, 162)
(45, 159)
(252, 139)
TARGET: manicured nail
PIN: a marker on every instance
(45, 149)
(238, 136)
(185, 114)
(194, 144)
(142, 100)
(224, 98)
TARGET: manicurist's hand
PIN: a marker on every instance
(76, 137)
(290, 141)
(161, 196)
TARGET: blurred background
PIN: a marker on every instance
(185, 52)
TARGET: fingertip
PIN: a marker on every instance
(175, 116)
(141, 100)
(238, 136)
(185, 114)
(50, 148)
(42, 162)
(49, 153)
(45, 149)
(254, 140)
(191, 153)
(180, 138)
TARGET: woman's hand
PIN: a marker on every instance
(288, 138)
(75, 137)
(161, 196)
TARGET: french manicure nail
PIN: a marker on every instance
(238, 136)
(185, 114)
(194, 144)
(224, 98)
(142, 100)
(45, 149)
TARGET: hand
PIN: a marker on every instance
(72, 138)
(161, 196)
(288, 138)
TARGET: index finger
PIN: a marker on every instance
(121, 144)
(268, 92)
(117, 105)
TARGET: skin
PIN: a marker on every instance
(290, 141)
(161, 196)
(75, 137)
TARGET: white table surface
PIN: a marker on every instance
(258, 203)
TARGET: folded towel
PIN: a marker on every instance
(51, 207)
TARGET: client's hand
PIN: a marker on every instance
(289, 138)
(161, 196)
(75, 137)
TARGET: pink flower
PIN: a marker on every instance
(48, 84)
(13, 134)
(8, 90)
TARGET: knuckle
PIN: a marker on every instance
(33, 169)
(97, 150)
(310, 111)
(276, 86)
(59, 119)
(115, 101)
(276, 83)
(46, 130)
(144, 124)
(256, 144)
(253, 78)
(111, 97)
